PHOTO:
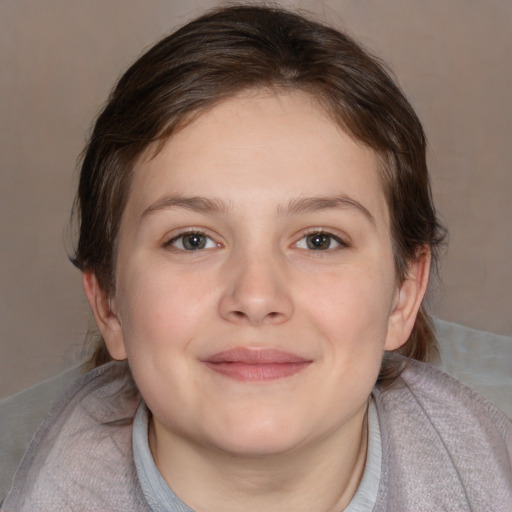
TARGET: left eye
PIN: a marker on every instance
(193, 241)
(319, 242)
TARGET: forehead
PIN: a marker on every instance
(276, 143)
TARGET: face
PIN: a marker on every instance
(255, 283)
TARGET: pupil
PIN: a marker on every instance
(194, 241)
(318, 241)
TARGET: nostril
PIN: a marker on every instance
(240, 315)
(244, 304)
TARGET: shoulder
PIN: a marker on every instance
(443, 443)
(81, 456)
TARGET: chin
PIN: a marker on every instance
(260, 437)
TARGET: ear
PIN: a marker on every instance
(408, 299)
(106, 318)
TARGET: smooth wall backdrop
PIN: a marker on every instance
(60, 58)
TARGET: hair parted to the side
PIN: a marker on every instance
(238, 48)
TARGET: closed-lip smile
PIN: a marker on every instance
(248, 364)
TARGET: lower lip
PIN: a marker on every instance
(259, 371)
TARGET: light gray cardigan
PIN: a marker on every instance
(444, 447)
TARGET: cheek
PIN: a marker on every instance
(160, 317)
(350, 299)
(159, 308)
(351, 311)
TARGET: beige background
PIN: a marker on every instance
(59, 59)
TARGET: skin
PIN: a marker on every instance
(273, 171)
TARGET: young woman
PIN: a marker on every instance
(256, 236)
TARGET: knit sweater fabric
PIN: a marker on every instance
(444, 447)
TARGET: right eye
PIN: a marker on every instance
(192, 241)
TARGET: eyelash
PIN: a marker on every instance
(189, 233)
(322, 233)
(207, 242)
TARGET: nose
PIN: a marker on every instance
(256, 291)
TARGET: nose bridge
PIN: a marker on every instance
(256, 288)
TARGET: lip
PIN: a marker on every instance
(246, 364)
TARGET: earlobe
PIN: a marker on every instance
(408, 300)
(105, 316)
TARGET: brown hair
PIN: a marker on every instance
(237, 48)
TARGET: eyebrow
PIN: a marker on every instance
(314, 204)
(294, 207)
(194, 203)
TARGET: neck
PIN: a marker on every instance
(322, 477)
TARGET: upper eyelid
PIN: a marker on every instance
(179, 232)
(169, 244)
(341, 237)
(339, 241)
(169, 241)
